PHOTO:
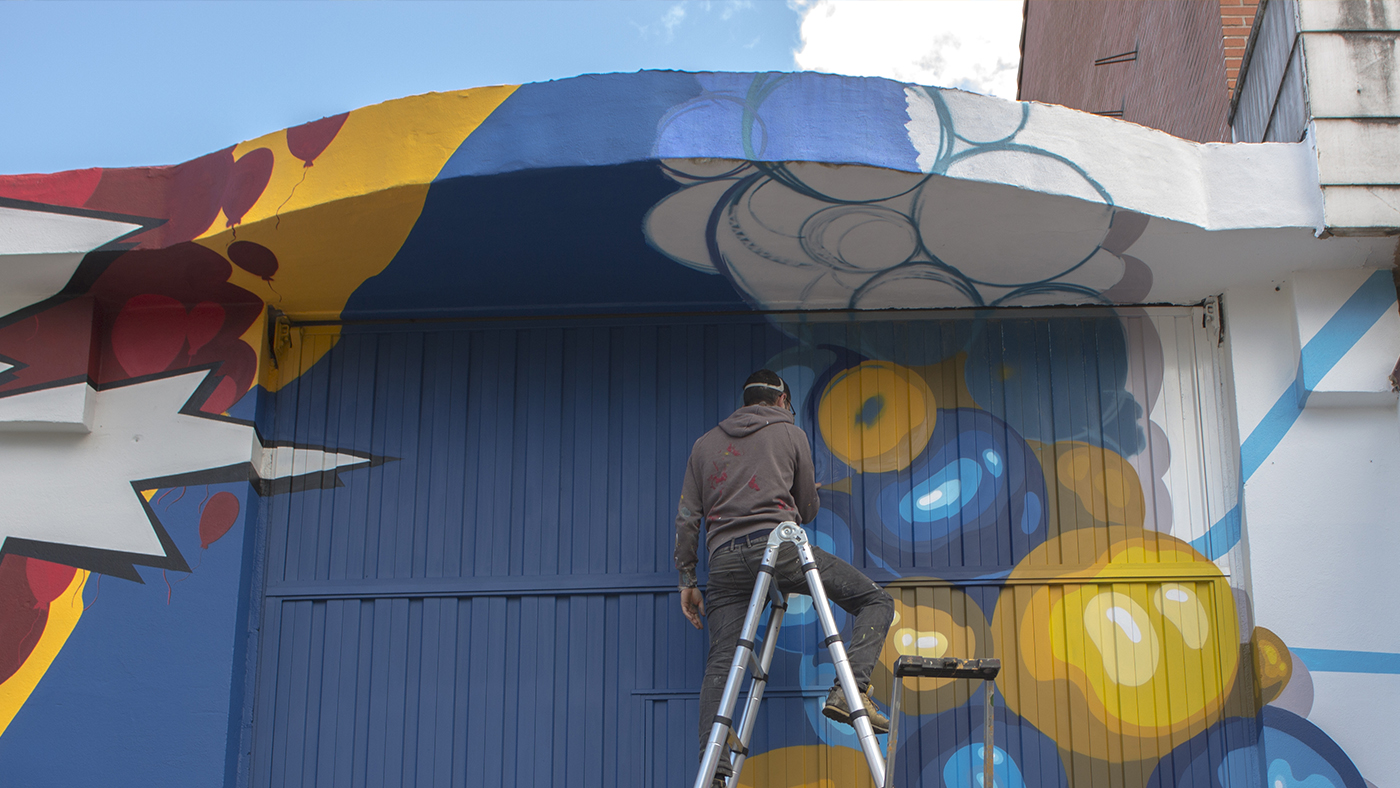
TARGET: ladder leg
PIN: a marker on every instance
(719, 732)
(891, 743)
(749, 720)
(988, 748)
(859, 719)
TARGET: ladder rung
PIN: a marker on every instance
(946, 667)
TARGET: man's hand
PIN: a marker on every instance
(692, 605)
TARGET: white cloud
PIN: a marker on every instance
(672, 19)
(731, 7)
(665, 27)
(968, 44)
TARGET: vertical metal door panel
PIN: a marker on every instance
(492, 603)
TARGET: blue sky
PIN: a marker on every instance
(111, 84)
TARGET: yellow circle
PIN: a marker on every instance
(1139, 663)
(931, 621)
(877, 416)
(1104, 483)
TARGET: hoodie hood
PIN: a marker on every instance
(752, 418)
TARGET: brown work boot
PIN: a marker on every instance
(837, 709)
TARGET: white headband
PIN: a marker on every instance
(778, 389)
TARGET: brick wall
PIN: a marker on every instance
(1236, 18)
(1160, 63)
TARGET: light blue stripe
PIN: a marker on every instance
(1218, 540)
(1373, 299)
(1275, 424)
(1367, 305)
(1327, 660)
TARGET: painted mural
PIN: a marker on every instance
(1012, 478)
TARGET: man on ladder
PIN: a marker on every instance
(745, 477)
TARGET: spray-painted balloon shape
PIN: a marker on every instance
(254, 258)
(310, 140)
(148, 333)
(219, 515)
(47, 580)
(202, 324)
(246, 184)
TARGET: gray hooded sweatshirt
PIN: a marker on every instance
(751, 472)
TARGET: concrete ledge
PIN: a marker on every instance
(1353, 75)
(63, 409)
(1358, 151)
(1349, 15)
(1362, 210)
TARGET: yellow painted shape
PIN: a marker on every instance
(926, 631)
(1127, 642)
(841, 485)
(934, 623)
(148, 494)
(1111, 661)
(948, 381)
(339, 222)
(1178, 604)
(1273, 664)
(876, 417)
(1105, 484)
(64, 613)
(807, 766)
(398, 143)
(921, 642)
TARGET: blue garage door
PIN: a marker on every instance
(490, 600)
(468, 577)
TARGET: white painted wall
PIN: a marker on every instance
(1321, 510)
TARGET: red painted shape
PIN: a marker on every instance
(246, 183)
(225, 394)
(310, 140)
(186, 195)
(21, 621)
(148, 334)
(753, 483)
(70, 189)
(197, 278)
(136, 320)
(254, 258)
(237, 367)
(47, 580)
(202, 324)
(53, 345)
(219, 515)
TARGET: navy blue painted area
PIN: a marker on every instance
(1079, 367)
(585, 121)
(567, 240)
(538, 458)
(1277, 748)
(140, 693)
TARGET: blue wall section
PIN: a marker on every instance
(585, 121)
(606, 119)
(144, 695)
(497, 606)
(476, 243)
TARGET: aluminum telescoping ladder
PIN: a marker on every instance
(746, 657)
